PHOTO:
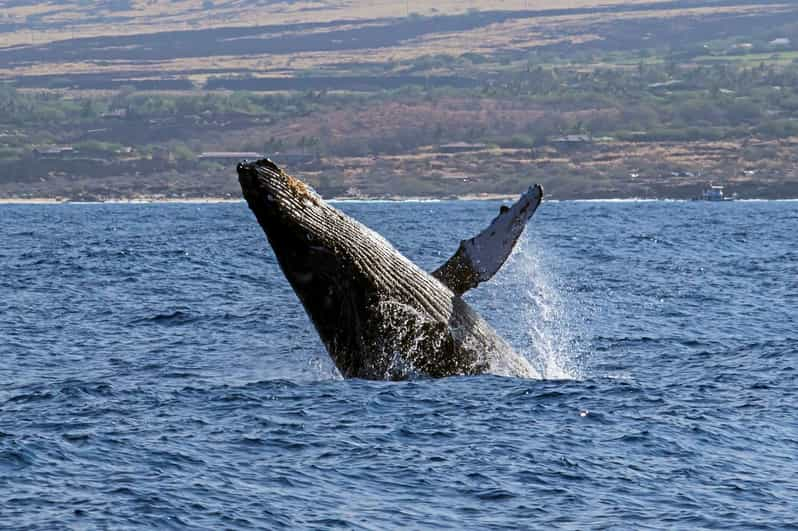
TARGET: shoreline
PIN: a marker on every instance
(390, 199)
(114, 201)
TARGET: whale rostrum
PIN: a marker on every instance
(378, 314)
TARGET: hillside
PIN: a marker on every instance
(593, 99)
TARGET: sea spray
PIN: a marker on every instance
(546, 324)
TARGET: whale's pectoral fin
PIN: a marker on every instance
(479, 258)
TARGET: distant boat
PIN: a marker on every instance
(715, 193)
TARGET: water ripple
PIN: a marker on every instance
(158, 373)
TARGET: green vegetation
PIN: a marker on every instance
(648, 102)
(659, 101)
(10, 153)
(28, 109)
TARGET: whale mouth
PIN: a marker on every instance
(247, 177)
(262, 181)
(288, 210)
(263, 185)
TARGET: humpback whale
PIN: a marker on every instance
(379, 315)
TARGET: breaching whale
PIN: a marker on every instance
(379, 315)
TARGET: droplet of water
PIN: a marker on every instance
(546, 320)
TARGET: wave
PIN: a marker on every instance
(177, 317)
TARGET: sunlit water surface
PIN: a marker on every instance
(157, 371)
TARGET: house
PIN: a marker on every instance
(53, 152)
(228, 156)
(572, 139)
(461, 147)
(665, 86)
(120, 113)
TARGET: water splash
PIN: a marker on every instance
(320, 367)
(546, 328)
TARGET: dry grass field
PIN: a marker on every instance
(43, 22)
(97, 32)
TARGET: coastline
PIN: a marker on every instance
(144, 200)
(213, 199)
(119, 200)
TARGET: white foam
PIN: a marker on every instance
(344, 200)
(545, 318)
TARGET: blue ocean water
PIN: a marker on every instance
(158, 372)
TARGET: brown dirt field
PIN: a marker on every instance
(604, 169)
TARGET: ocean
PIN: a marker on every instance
(158, 372)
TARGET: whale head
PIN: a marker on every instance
(295, 219)
(272, 194)
(314, 246)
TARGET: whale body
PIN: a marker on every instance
(379, 315)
